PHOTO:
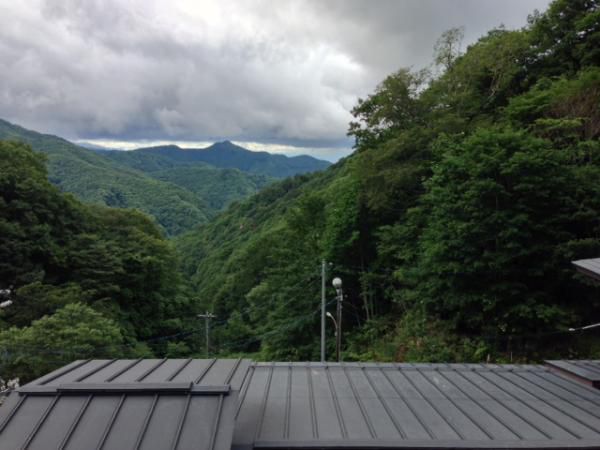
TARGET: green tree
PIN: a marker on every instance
(73, 332)
(497, 207)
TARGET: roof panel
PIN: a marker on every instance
(128, 424)
(108, 371)
(276, 414)
(301, 405)
(589, 267)
(327, 413)
(413, 405)
(92, 423)
(199, 425)
(164, 371)
(21, 427)
(123, 404)
(57, 424)
(586, 371)
(193, 370)
(163, 424)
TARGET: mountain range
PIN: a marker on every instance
(180, 188)
(224, 154)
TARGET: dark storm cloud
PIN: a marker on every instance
(272, 71)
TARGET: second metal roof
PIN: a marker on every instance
(308, 405)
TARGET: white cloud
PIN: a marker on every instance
(285, 71)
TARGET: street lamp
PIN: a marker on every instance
(337, 284)
(334, 322)
(6, 293)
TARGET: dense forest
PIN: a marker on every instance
(85, 280)
(473, 185)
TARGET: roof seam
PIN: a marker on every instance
(311, 400)
(564, 398)
(288, 404)
(40, 422)
(431, 404)
(151, 369)
(505, 406)
(562, 411)
(96, 370)
(60, 373)
(408, 405)
(12, 413)
(233, 371)
(459, 408)
(482, 406)
(123, 370)
(336, 404)
(215, 430)
(246, 386)
(181, 422)
(579, 386)
(142, 432)
(178, 370)
(71, 429)
(531, 407)
(361, 406)
(383, 401)
(587, 366)
(263, 405)
(110, 423)
(205, 371)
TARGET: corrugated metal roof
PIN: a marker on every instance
(587, 371)
(589, 267)
(126, 404)
(354, 405)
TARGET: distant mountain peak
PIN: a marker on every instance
(226, 154)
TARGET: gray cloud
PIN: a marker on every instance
(285, 72)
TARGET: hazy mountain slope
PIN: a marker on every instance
(228, 155)
(93, 178)
(217, 186)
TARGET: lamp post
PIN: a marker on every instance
(323, 306)
(207, 316)
(337, 284)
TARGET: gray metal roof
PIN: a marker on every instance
(587, 371)
(312, 405)
(589, 267)
(222, 404)
(126, 404)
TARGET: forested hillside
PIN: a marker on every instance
(453, 224)
(95, 179)
(85, 280)
(178, 188)
(218, 187)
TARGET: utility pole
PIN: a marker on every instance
(207, 316)
(323, 306)
(337, 284)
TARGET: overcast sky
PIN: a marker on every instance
(272, 74)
